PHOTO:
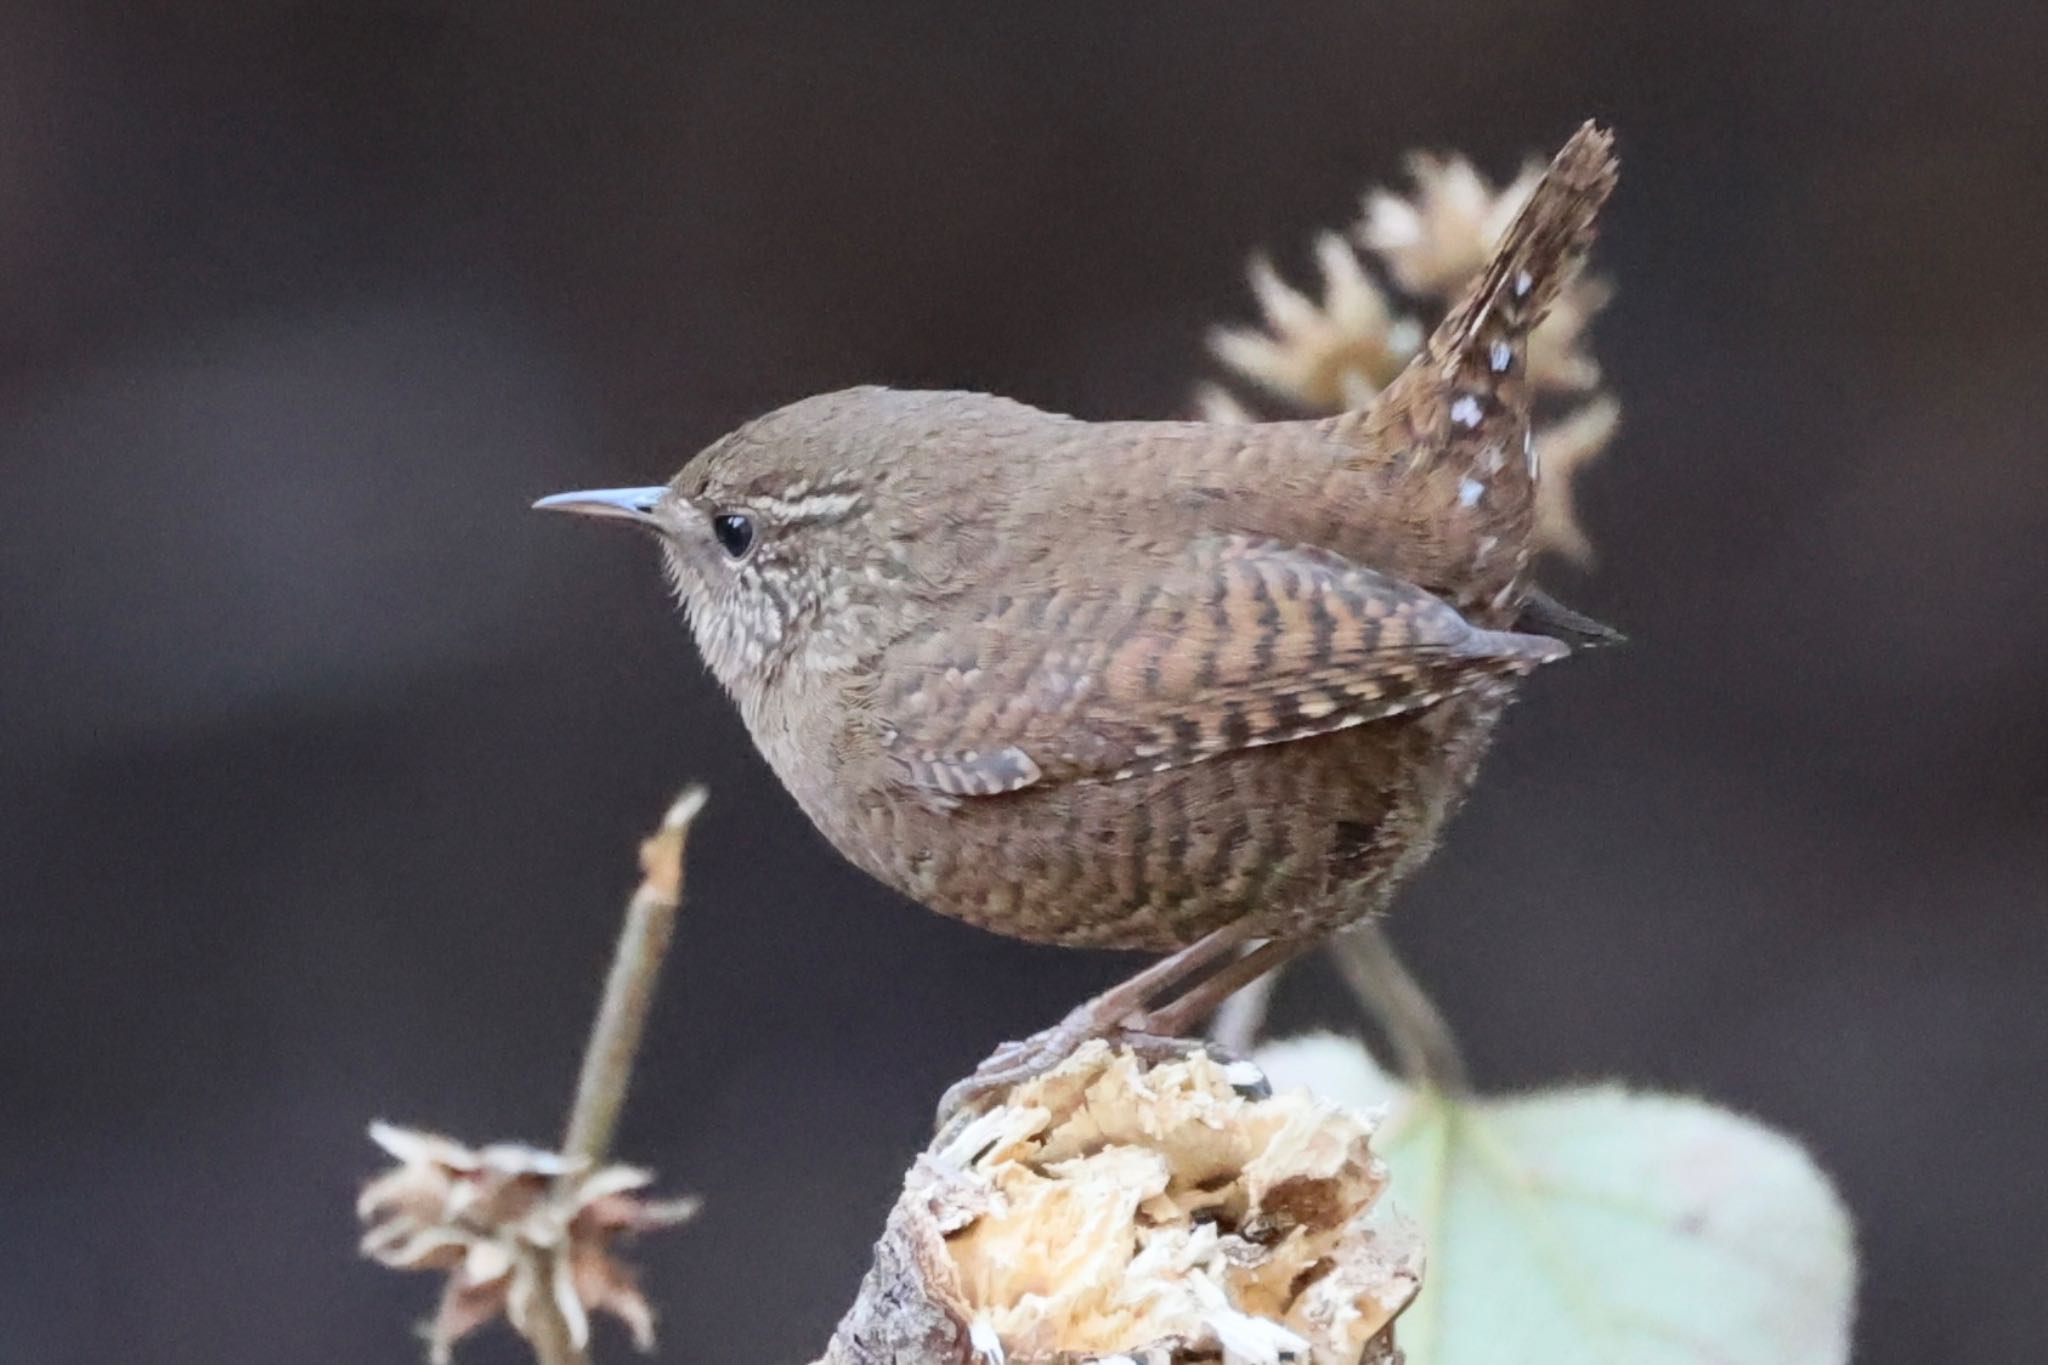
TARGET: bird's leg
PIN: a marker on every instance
(1127, 1012)
(1185, 1012)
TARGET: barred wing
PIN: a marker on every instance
(1244, 642)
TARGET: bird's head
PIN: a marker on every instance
(802, 540)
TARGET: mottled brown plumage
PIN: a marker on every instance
(1122, 684)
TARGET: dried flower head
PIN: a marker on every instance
(1339, 353)
(1433, 243)
(509, 1224)
(1214, 403)
(1563, 448)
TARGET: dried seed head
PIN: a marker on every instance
(508, 1224)
(1327, 357)
(1433, 243)
(1337, 353)
(1563, 449)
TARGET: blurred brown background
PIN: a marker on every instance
(321, 759)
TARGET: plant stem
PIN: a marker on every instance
(1425, 1051)
(547, 1331)
(615, 1039)
(629, 990)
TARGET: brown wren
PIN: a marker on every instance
(1139, 684)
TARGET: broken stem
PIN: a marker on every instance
(615, 1039)
(1425, 1051)
(629, 990)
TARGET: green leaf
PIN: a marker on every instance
(1591, 1225)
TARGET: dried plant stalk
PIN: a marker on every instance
(559, 1328)
(629, 990)
(529, 1233)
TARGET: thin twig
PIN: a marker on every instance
(636, 966)
(1425, 1050)
(615, 1040)
(547, 1331)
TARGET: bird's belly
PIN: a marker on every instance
(1304, 836)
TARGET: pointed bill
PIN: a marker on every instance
(630, 504)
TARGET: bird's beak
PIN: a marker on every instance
(633, 504)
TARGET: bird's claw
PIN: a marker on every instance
(1026, 1059)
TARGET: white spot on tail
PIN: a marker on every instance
(1524, 282)
(1529, 451)
(1502, 357)
(1466, 412)
(1469, 492)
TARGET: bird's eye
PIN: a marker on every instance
(734, 532)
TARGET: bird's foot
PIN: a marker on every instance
(1026, 1059)
(1131, 1015)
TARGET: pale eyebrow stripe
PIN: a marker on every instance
(812, 507)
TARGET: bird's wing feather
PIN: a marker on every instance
(1239, 642)
(1542, 614)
